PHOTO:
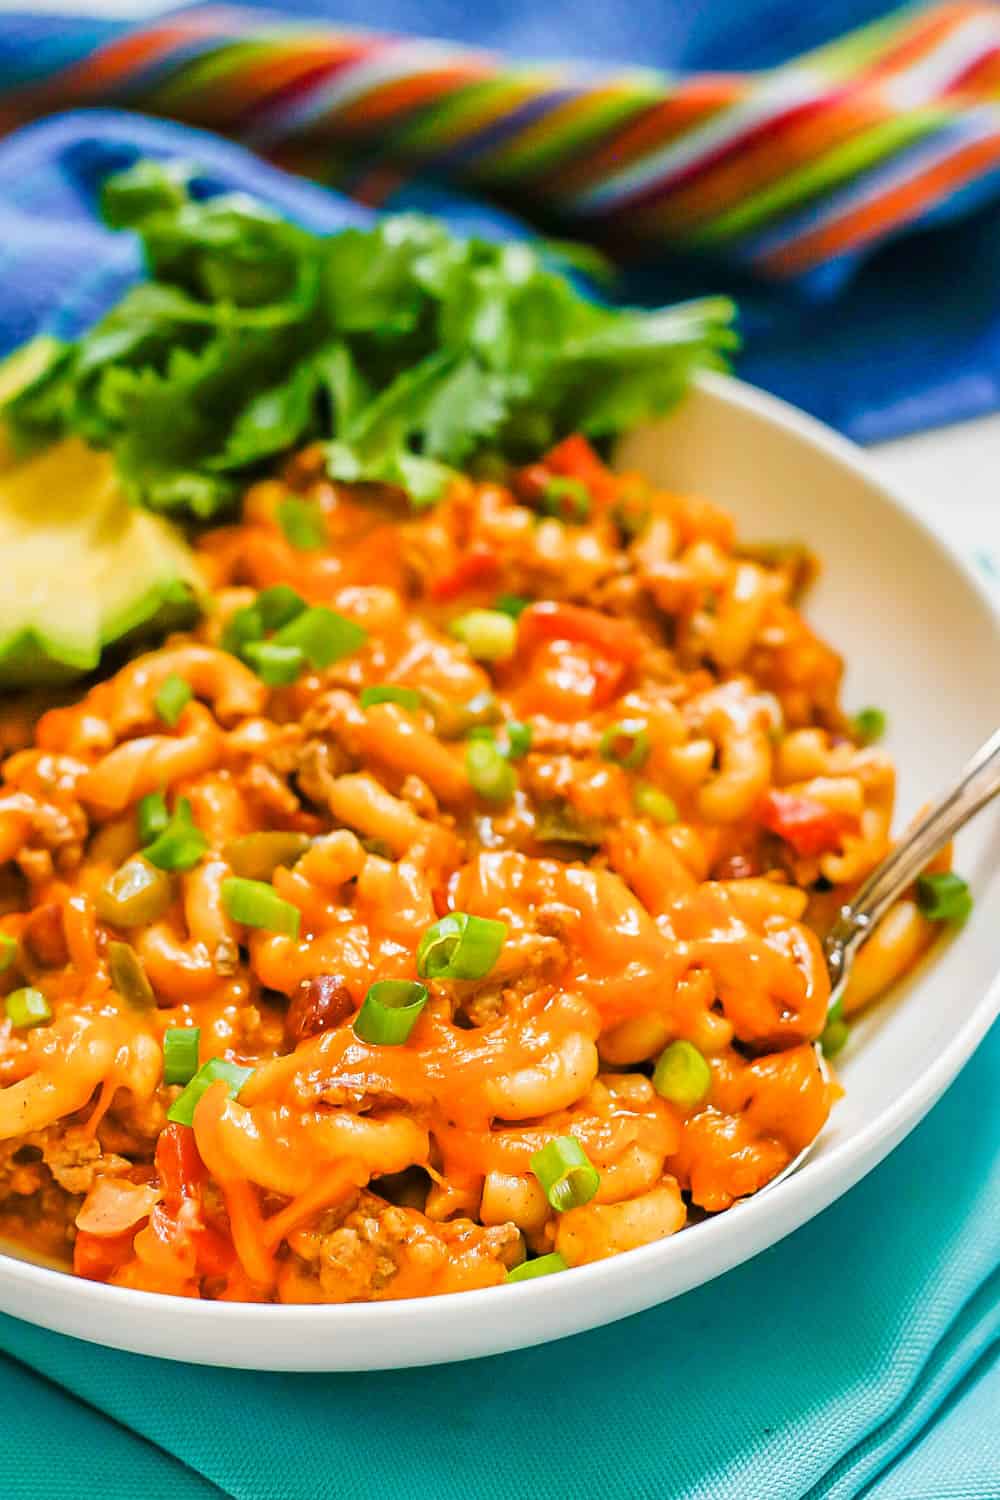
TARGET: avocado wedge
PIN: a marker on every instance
(83, 568)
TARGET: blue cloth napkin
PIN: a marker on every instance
(844, 1361)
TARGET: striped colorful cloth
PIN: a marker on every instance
(791, 173)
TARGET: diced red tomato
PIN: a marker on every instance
(216, 1256)
(184, 1244)
(530, 483)
(180, 1168)
(569, 679)
(574, 458)
(608, 678)
(174, 1240)
(479, 567)
(804, 822)
(548, 621)
(167, 1245)
(178, 1224)
(99, 1256)
(579, 658)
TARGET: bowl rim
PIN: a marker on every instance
(786, 1207)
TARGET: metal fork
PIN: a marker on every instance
(978, 784)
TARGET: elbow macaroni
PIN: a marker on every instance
(649, 891)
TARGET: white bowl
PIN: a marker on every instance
(922, 639)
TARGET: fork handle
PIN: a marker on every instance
(977, 785)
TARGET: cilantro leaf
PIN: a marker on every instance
(347, 390)
(272, 422)
(467, 407)
(128, 198)
(407, 350)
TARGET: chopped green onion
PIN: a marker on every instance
(460, 947)
(181, 1112)
(489, 772)
(453, 720)
(836, 1011)
(390, 1011)
(682, 1076)
(519, 737)
(181, 844)
(626, 744)
(386, 693)
(128, 977)
(255, 904)
(489, 634)
(542, 1265)
(256, 856)
(834, 1036)
(153, 816)
(869, 725)
(8, 951)
(568, 1178)
(303, 523)
(27, 1007)
(243, 626)
(135, 894)
(944, 898)
(650, 802)
(274, 664)
(322, 636)
(566, 498)
(511, 604)
(278, 605)
(180, 1053)
(172, 699)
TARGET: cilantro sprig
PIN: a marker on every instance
(406, 349)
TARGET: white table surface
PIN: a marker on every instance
(952, 475)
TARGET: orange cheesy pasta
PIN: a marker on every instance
(445, 909)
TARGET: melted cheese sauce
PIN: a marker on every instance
(649, 888)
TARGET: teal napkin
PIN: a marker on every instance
(846, 1360)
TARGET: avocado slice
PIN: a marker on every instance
(25, 365)
(82, 568)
